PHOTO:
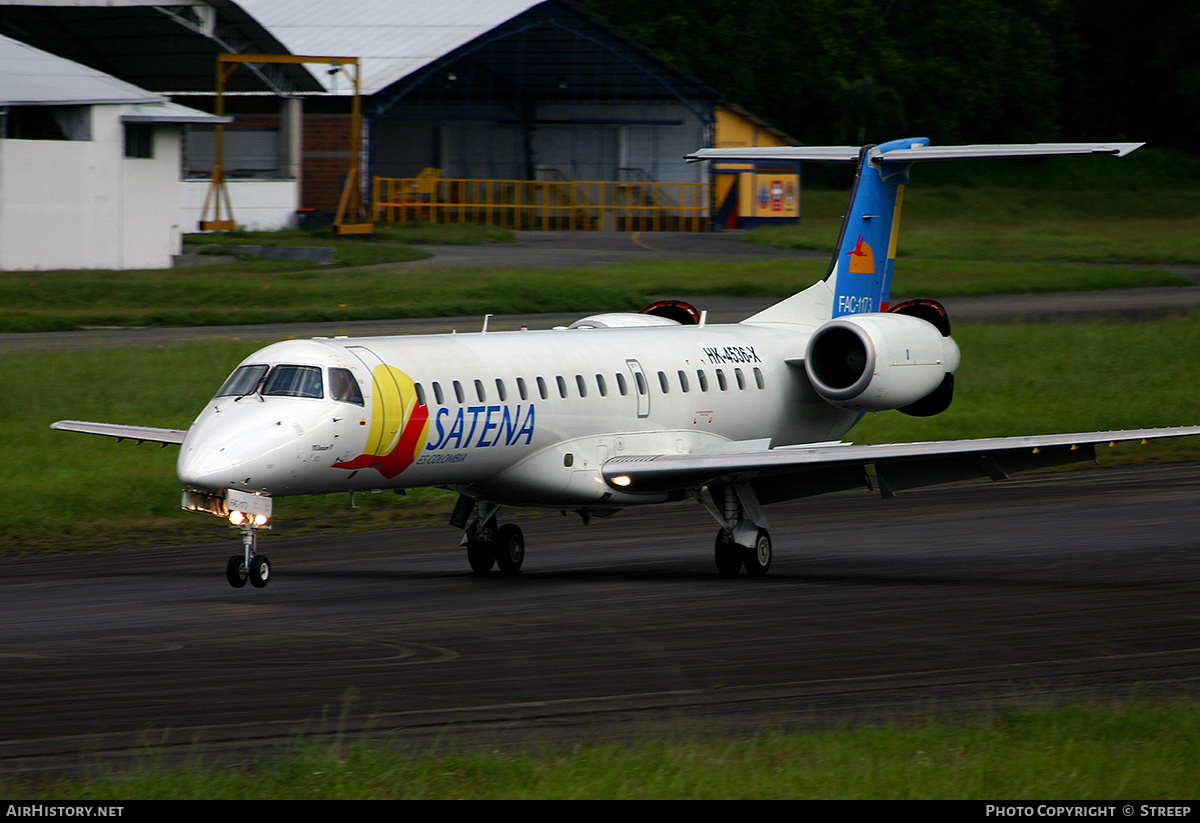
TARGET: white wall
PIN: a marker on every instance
(68, 204)
(258, 205)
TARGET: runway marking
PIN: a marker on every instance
(637, 240)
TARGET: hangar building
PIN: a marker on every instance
(508, 90)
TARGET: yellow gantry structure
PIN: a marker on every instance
(352, 211)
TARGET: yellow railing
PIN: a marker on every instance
(545, 204)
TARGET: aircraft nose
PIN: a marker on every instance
(204, 468)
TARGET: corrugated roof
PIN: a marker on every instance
(164, 46)
(392, 38)
(32, 77)
(170, 113)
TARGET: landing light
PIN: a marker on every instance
(238, 518)
(621, 480)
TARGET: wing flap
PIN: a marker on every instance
(142, 434)
(799, 471)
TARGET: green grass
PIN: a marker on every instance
(1134, 751)
(955, 222)
(389, 243)
(959, 240)
(262, 291)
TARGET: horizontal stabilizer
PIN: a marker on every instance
(142, 434)
(850, 154)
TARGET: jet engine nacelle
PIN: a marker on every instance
(873, 362)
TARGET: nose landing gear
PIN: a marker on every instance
(248, 565)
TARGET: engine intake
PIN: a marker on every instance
(873, 362)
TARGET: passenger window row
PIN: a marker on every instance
(583, 386)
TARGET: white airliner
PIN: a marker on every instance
(621, 409)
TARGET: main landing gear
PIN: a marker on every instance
(744, 539)
(489, 545)
(248, 566)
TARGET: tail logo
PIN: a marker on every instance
(862, 258)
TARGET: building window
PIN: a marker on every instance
(139, 140)
(47, 123)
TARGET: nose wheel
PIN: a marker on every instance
(248, 566)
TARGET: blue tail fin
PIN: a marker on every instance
(860, 275)
(861, 270)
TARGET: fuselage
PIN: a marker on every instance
(521, 418)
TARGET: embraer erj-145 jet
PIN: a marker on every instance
(621, 409)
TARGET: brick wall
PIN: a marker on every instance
(324, 161)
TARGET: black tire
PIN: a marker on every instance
(260, 571)
(235, 571)
(510, 548)
(728, 555)
(481, 554)
(758, 557)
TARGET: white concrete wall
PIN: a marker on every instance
(150, 227)
(81, 204)
(258, 205)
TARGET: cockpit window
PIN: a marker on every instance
(244, 380)
(343, 387)
(294, 381)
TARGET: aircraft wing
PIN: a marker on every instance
(799, 471)
(142, 434)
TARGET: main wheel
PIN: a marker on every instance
(235, 571)
(260, 571)
(481, 554)
(728, 555)
(510, 548)
(758, 557)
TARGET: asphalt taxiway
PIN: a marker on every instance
(960, 599)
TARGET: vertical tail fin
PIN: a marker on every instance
(861, 270)
(860, 275)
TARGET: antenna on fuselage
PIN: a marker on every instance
(486, 318)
